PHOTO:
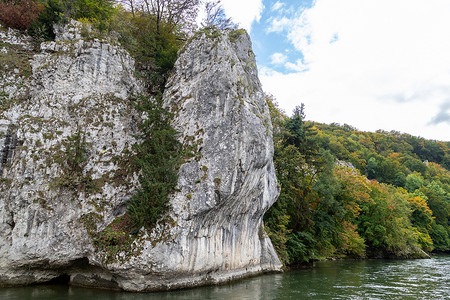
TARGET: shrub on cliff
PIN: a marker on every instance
(19, 14)
(42, 28)
(153, 44)
(158, 158)
(39, 17)
(216, 17)
(98, 12)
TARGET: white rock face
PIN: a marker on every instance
(221, 110)
(81, 87)
(73, 87)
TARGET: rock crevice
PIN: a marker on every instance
(78, 92)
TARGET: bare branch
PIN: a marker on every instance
(216, 17)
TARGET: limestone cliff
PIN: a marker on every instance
(71, 99)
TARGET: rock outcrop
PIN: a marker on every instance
(76, 103)
(72, 95)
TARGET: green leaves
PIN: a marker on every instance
(93, 10)
(326, 210)
(73, 162)
(42, 29)
(413, 182)
(158, 157)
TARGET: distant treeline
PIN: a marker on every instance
(349, 193)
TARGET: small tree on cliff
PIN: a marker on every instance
(158, 158)
(216, 17)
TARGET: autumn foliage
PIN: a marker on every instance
(347, 193)
(19, 14)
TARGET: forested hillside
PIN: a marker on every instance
(349, 193)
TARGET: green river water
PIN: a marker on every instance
(368, 279)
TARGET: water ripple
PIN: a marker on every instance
(370, 279)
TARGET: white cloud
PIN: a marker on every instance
(298, 66)
(266, 72)
(244, 12)
(277, 5)
(388, 69)
(279, 24)
(278, 58)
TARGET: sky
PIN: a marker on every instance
(372, 64)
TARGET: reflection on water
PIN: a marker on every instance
(371, 279)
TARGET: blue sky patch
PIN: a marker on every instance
(268, 43)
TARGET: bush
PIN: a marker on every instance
(19, 14)
(155, 51)
(42, 28)
(99, 12)
(158, 157)
(440, 237)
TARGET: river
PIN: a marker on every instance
(368, 279)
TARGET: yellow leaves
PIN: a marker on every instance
(352, 243)
(435, 170)
(424, 239)
(420, 204)
(395, 156)
(354, 188)
(357, 160)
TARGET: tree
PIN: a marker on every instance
(372, 168)
(440, 236)
(300, 134)
(422, 219)
(385, 223)
(131, 5)
(176, 14)
(216, 17)
(19, 14)
(327, 210)
(413, 182)
(158, 157)
(353, 190)
(42, 29)
(96, 11)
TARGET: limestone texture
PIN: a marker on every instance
(74, 95)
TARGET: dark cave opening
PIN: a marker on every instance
(64, 277)
(61, 279)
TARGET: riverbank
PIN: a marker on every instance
(345, 279)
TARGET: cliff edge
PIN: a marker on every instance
(72, 97)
